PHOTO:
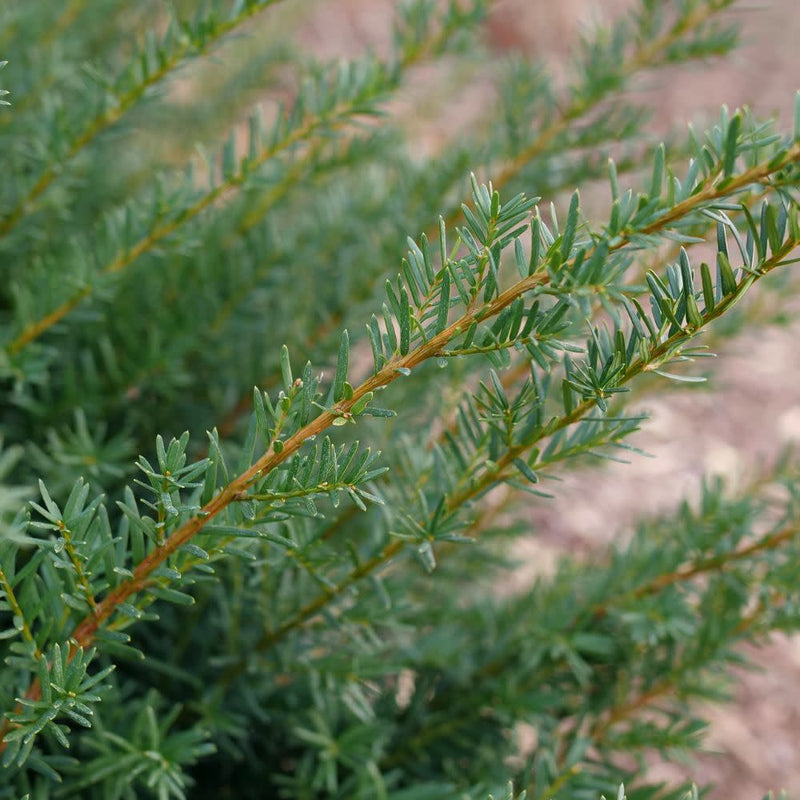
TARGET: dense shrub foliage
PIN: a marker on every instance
(303, 595)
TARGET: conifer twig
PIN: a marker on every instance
(125, 103)
(334, 119)
(646, 56)
(85, 631)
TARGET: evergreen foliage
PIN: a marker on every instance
(303, 603)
